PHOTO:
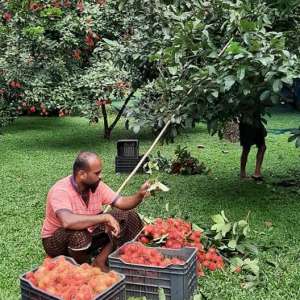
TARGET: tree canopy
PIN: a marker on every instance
(190, 61)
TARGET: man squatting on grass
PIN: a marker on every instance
(75, 225)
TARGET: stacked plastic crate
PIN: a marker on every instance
(127, 156)
(179, 282)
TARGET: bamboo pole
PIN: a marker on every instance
(142, 160)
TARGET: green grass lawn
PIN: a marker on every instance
(36, 152)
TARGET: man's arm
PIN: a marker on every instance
(80, 222)
(133, 201)
(128, 202)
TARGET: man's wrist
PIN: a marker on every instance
(140, 196)
(104, 218)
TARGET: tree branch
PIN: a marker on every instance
(120, 113)
(105, 120)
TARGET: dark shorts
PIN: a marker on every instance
(79, 240)
(252, 135)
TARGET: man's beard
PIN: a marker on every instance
(92, 186)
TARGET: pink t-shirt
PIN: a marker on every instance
(63, 195)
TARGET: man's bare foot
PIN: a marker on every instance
(101, 265)
(102, 258)
(243, 176)
(257, 178)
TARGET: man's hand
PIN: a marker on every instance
(143, 191)
(112, 225)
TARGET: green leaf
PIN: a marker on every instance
(158, 186)
(121, 5)
(211, 70)
(287, 80)
(196, 227)
(146, 220)
(178, 88)
(265, 95)
(277, 85)
(229, 82)
(110, 42)
(218, 219)
(225, 229)
(251, 248)
(235, 48)
(241, 73)
(251, 265)
(266, 61)
(235, 262)
(240, 248)
(247, 26)
(161, 239)
(234, 227)
(246, 231)
(197, 297)
(213, 55)
(224, 217)
(136, 129)
(232, 244)
(167, 206)
(239, 56)
(218, 236)
(161, 294)
(215, 94)
(249, 285)
(172, 70)
(51, 12)
(242, 223)
(135, 56)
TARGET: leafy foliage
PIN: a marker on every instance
(218, 60)
(295, 136)
(230, 237)
(182, 163)
(232, 240)
(60, 55)
(189, 61)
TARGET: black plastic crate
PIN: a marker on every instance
(128, 148)
(30, 292)
(127, 164)
(179, 282)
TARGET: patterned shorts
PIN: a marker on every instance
(79, 240)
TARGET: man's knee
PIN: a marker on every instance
(130, 224)
(79, 240)
(62, 239)
(246, 149)
(134, 225)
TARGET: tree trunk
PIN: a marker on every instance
(108, 129)
(120, 113)
(107, 133)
